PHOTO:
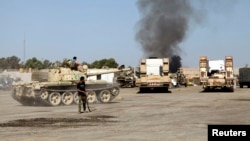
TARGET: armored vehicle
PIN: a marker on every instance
(53, 87)
(244, 77)
(126, 78)
(154, 74)
(217, 74)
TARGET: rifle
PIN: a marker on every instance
(87, 102)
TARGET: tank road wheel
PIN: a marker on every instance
(76, 98)
(67, 98)
(91, 96)
(105, 96)
(44, 95)
(115, 91)
(55, 98)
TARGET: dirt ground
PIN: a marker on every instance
(180, 115)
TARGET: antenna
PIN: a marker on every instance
(24, 59)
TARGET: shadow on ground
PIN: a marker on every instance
(155, 91)
(60, 122)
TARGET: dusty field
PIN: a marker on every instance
(182, 115)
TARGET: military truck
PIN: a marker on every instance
(154, 74)
(53, 87)
(244, 77)
(217, 74)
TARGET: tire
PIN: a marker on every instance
(55, 98)
(67, 98)
(231, 89)
(104, 96)
(143, 90)
(241, 85)
(166, 89)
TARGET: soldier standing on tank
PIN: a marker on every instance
(74, 64)
(82, 95)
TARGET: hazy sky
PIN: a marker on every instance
(98, 29)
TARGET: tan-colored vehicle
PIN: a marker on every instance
(53, 87)
(154, 74)
(217, 74)
(181, 78)
(126, 78)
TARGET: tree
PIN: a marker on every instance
(47, 64)
(10, 62)
(57, 64)
(104, 62)
(34, 63)
(3, 63)
(175, 63)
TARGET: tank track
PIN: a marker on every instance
(62, 95)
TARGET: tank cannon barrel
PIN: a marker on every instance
(106, 71)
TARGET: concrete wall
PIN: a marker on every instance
(26, 77)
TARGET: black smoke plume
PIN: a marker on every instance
(163, 26)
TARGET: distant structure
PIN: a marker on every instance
(24, 50)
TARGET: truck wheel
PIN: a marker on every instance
(166, 89)
(142, 90)
(231, 89)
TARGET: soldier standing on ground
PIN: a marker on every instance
(82, 95)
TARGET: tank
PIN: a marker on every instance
(126, 78)
(54, 87)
